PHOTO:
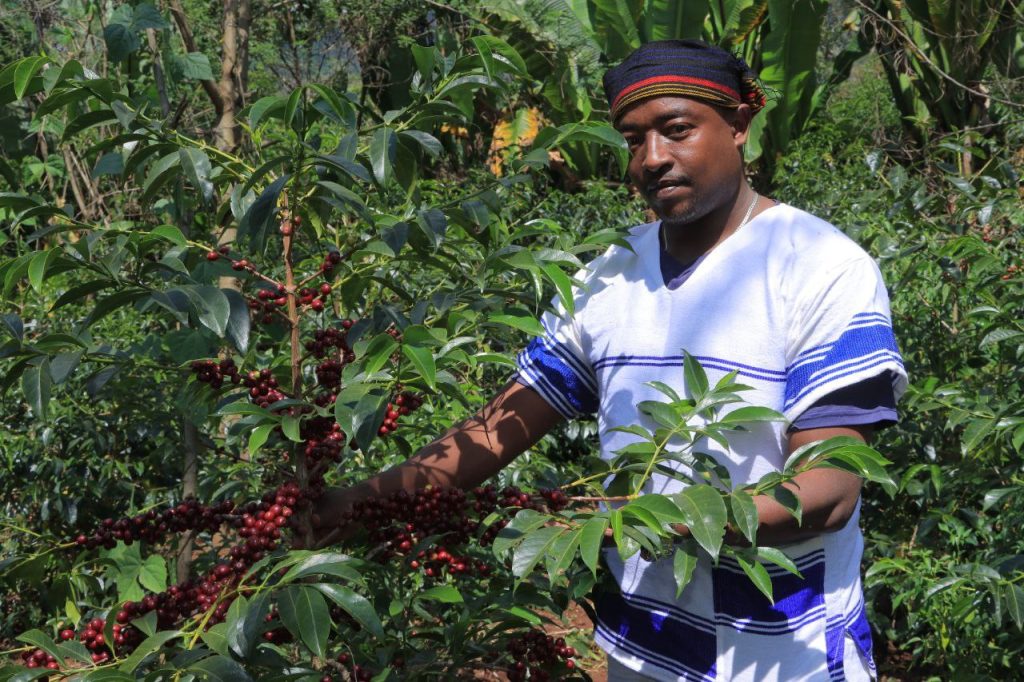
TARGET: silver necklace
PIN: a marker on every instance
(746, 217)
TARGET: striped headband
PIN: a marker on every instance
(682, 68)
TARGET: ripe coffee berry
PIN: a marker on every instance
(540, 655)
(212, 256)
(152, 527)
(213, 373)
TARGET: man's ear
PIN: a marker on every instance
(740, 122)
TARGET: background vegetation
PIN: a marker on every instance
(454, 155)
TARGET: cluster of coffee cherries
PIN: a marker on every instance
(330, 262)
(316, 298)
(324, 439)
(402, 520)
(513, 498)
(1011, 271)
(356, 672)
(37, 658)
(324, 341)
(263, 387)
(225, 251)
(267, 302)
(260, 524)
(438, 561)
(151, 526)
(92, 637)
(214, 373)
(540, 656)
(401, 405)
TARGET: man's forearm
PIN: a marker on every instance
(477, 448)
(828, 498)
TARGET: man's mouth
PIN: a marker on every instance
(665, 188)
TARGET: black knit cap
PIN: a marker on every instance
(683, 68)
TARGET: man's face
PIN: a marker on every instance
(685, 156)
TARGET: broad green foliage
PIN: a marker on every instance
(944, 568)
(575, 40)
(436, 293)
(937, 56)
(708, 506)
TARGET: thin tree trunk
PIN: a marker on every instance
(189, 488)
(181, 21)
(225, 133)
(158, 73)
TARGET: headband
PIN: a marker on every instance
(682, 68)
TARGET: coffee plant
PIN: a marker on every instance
(313, 308)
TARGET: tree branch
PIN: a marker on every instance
(181, 21)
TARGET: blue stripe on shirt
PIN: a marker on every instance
(555, 379)
(868, 342)
(660, 638)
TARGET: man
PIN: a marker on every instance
(744, 284)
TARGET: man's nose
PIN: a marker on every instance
(656, 153)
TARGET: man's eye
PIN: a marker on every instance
(680, 129)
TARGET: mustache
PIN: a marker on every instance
(666, 181)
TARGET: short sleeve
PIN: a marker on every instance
(555, 366)
(867, 403)
(840, 334)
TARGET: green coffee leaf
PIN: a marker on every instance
(383, 149)
(684, 561)
(758, 575)
(219, 669)
(304, 612)
(244, 621)
(706, 515)
(591, 539)
(423, 360)
(354, 605)
(150, 645)
(744, 513)
(695, 377)
(446, 594)
(533, 548)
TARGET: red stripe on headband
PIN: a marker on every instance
(689, 80)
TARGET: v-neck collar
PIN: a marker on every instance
(651, 252)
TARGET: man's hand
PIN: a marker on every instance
(329, 517)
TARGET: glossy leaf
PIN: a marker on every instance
(304, 612)
(591, 540)
(695, 377)
(446, 594)
(383, 150)
(684, 561)
(219, 669)
(36, 382)
(354, 605)
(326, 563)
(744, 513)
(244, 621)
(706, 515)
(533, 548)
(423, 360)
(149, 646)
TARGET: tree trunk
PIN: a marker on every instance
(189, 488)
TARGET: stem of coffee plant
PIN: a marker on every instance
(305, 527)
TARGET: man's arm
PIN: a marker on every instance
(828, 496)
(465, 456)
